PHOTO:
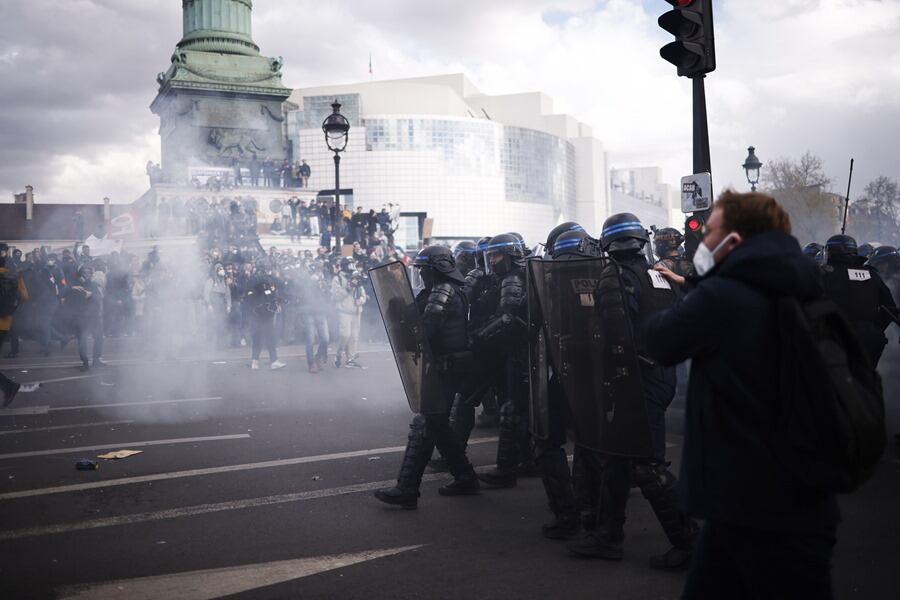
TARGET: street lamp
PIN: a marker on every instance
(751, 168)
(336, 126)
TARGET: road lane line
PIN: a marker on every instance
(203, 509)
(56, 427)
(284, 462)
(59, 379)
(25, 410)
(218, 583)
(138, 403)
(124, 445)
(124, 362)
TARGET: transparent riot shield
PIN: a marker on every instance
(592, 350)
(538, 374)
(406, 333)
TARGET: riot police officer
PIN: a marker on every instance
(482, 292)
(443, 308)
(502, 341)
(859, 291)
(464, 255)
(646, 292)
(666, 243)
(566, 242)
(886, 260)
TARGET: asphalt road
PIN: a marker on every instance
(258, 484)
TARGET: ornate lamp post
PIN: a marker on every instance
(751, 168)
(336, 127)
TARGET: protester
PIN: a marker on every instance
(764, 535)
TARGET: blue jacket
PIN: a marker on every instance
(727, 326)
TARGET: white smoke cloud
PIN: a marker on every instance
(792, 75)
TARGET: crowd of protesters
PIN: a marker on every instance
(228, 291)
(253, 171)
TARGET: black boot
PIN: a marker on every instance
(504, 476)
(565, 526)
(9, 389)
(557, 482)
(598, 544)
(418, 449)
(657, 485)
(465, 482)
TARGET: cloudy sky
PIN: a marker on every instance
(824, 75)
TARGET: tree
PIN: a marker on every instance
(875, 216)
(802, 188)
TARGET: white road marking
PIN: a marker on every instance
(25, 410)
(204, 509)
(210, 471)
(138, 403)
(216, 583)
(124, 445)
(119, 362)
(59, 379)
(56, 427)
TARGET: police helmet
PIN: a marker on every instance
(667, 239)
(865, 250)
(438, 259)
(623, 231)
(569, 242)
(464, 247)
(502, 251)
(558, 231)
(840, 245)
(812, 249)
(886, 260)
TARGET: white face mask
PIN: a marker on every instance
(704, 258)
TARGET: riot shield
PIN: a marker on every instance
(538, 375)
(593, 353)
(403, 323)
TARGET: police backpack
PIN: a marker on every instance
(831, 428)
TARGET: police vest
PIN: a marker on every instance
(656, 295)
(854, 290)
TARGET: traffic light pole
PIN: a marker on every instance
(701, 128)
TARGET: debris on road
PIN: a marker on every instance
(86, 464)
(29, 387)
(316, 478)
(374, 458)
(116, 455)
(107, 384)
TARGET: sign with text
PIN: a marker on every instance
(696, 192)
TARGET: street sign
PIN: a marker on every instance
(696, 192)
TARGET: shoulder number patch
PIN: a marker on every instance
(858, 275)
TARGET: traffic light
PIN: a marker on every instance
(693, 51)
(693, 232)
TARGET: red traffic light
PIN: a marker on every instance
(693, 224)
(683, 3)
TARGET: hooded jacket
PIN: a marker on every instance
(727, 326)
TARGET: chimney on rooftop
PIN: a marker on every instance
(29, 202)
(106, 209)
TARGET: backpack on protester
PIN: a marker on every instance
(9, 294)
(831, 430)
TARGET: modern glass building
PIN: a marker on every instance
(472, 164)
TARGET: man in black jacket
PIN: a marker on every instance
(764, 536)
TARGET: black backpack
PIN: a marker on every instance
(9, 294)
(831, 430)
